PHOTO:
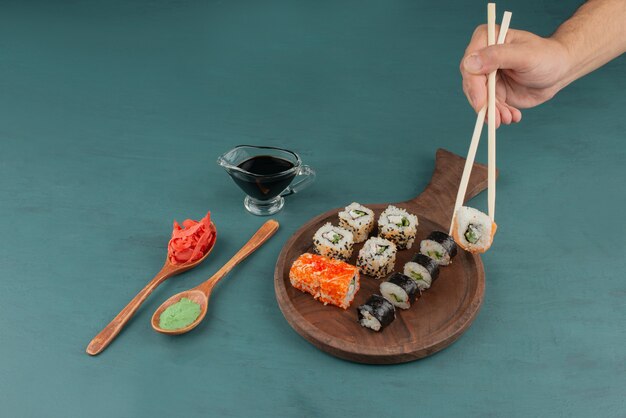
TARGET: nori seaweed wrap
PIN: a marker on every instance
(376, 313)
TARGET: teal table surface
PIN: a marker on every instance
(112, 117)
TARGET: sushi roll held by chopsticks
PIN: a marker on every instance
(473, 230)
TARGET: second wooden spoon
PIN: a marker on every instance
(201, 293)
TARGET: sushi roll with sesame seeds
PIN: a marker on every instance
(423, 269)
(376, 313)
(397, 225)
(358, 219)
(400, 290)
(377, 257)
(333, 241)
(440, 247)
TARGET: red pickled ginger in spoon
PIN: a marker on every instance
(190, 241)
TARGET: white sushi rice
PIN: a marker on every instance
(352, 289)
(333, 241)
(398, 226)
(369, 321)
(435, 251)
(395, 294)
(358, 219)
(474, 224)
(377, 257)
(418, 273)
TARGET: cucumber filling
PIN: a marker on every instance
(381, 249)
(355, 213)
(398, 220)
(333, 237)
(472, 234)
(397, 298)
(435, 254)
(416, 276)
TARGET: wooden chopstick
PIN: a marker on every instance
(478, 127)
(491, 122)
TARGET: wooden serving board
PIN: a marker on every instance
(435, 321)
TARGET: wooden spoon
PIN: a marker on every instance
(201, 293)
(108, 334)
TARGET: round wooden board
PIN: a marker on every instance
(435, 321)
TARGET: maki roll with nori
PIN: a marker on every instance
(400, 290)
(397, 225)
(377, 257)
(333, 241)
(440, 247)
(376, 313)
(423, 269)
(358, 219)
(473, 230)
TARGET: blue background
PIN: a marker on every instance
(112, 115)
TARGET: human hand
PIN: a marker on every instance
(531, 71)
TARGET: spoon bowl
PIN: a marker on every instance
(108, 334)
(201, 293)
(193, 295)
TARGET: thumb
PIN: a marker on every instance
(491, 58)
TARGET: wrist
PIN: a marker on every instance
(564, 64)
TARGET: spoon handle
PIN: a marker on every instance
(108, 334)
(268, 229)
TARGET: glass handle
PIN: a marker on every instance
(305, 176)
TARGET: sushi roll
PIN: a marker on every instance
(376, 313)
(473, 230)
(304, 274)
(397, 225)
(440, 247)
(333, 241)
(328, 280)
(358, 219)
(377, 257)
(400, 290)
(423, 269)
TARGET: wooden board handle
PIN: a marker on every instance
(438, 198)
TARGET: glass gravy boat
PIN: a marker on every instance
(266, 174)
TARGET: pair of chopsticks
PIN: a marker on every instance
(490, 109)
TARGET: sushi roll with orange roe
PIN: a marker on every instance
(473, 230)
(328, 280)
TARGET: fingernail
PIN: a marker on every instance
(473, 63)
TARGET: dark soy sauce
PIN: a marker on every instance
(264, 188)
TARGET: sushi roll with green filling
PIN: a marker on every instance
(440, 247)
(423, 269)
(358, 219)
(400, 290)
(377, 257)
(473, 230)
(333, 242)
(398, 225)
(376, 313)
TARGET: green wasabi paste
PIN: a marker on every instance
(180, 314)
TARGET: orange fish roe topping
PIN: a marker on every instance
(327, 279)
